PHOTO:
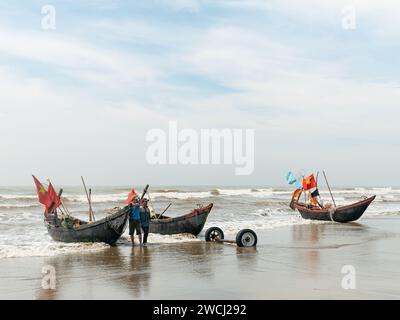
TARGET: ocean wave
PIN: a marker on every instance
(18, 206)
(157, 239)
(28, 238)
(96, 198)
(17, 196)
(174, 193)
(232, 227)
(181, 195)
(243, 192)
(167, 190)
(21, 218)
(384, 212)
(40, 249)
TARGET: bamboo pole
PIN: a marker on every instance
(64, 207)
(55, 212)
(329, 188)
(90, 198)
(159, 217)
(87, 196)
(62, 203)
(320, 203)
(144, 192)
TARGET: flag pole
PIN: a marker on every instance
(90, 198)
(319, 195)
(62, 205)
(144, 192)
(330, 191)
(59, 197)
(87, 196)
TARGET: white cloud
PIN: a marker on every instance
(185, 5)
(66, 54)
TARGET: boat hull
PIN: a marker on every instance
(341, 214)
(191, 223)
(107, 230)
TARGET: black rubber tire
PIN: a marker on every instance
(246, 238)
(214, 232)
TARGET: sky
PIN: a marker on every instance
(80, 99)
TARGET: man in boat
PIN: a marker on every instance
(134, 220)
(314, 201)
(145, 219)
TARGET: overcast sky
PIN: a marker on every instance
(80, 99)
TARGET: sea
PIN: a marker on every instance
(23, 234)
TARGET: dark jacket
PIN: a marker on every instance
(145, 217)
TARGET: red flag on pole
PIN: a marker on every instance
(53, 197)
(42, 193)
(309, 183)
(130, 196)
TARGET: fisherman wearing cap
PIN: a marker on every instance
(145, 220)
(134, 220)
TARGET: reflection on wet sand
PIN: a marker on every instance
(247, 258)
(195, 257)
(136, 271)
(303, 261)
(128, 268)
(310, 239)
(308, 235)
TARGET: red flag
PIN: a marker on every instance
(130, 196)
(54, 197)
(309, 183)
(42, 193)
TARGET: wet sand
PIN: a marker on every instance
(295, 262)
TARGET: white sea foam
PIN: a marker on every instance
(258, 193)
(232, 227)
(173, 193)
(17, 196)
(32, 240)
(162, 239)
(97, 198)
(18, 205)
(43, 249)
(180, 195)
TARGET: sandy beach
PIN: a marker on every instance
(292, 262)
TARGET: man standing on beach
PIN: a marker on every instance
(145, 219)
(134, 220)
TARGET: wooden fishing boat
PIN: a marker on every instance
(191, 223)
(343, 214)
(107, 230)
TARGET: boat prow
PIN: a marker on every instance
(191, 223)
(342, 214)
(108, 229)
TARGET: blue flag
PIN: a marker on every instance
(292, 180)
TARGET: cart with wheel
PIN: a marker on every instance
(244, 238)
